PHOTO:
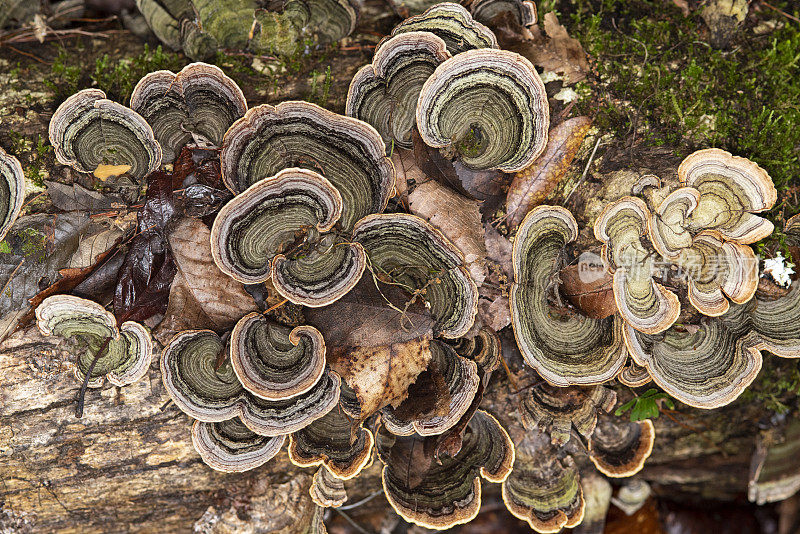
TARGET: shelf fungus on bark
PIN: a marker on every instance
(461, 380)
(732, 190)
(279, 228)
(88, 131)
(197, 104)
(202, 27)
(349, 153)
(385, 93)
(488, 108)
(634, 375)
(440, 495)
(523, 11)
(555, 409)
(705, 366)
(327, 490)
(12, 191)
(542, 489)
(412, 253)
(619, 448)
(276, 362)
(483, 349)
(563, 346)
(335, 441)
(718, 270)
(668, 230)
(124, 352)
(212, 393)
(644, 304)
(453, 24)
(231, 447)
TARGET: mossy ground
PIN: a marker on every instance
(658, 81)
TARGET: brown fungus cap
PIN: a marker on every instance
(279, 229)
(212, 393)
(384, 93)
(274, 361)
(484, 349)
(335, 441)
(647, 306)
(619, 448)
(634, 375)
(327, 490)
(523, 11)
(440, 495)
(229, 446)
(556, 409)
(128, 349)
(197, 104)
(346, 151)
(562, 345)
(543, 490)
(507, 131)
(12, 191)
(88, 130)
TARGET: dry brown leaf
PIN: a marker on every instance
(93, 246)
(553, 50)
(200, 295)
(378, 348)
(458, 218)
(588, 288)
(496, 313)
(498, 249)
(532, 185)
(381, 376)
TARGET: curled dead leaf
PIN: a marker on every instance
(532, 186)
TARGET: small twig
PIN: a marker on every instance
(275, 307)
(585, 170)
(14, 272)
(28, 54)
(362, 501)
(82, 395)
(784, 13)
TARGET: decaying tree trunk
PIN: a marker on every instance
(129, 465)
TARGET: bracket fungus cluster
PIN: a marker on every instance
(200, 27)
(120, 354)
(310, 216)
(198, 103)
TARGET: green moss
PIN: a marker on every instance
(118, 77)
(657, 81)
(777, 387)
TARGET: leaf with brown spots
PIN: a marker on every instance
(532, 185)
(377, 340)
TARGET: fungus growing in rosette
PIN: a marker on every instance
(453, 24)
(211, 392)
(563, 346)
(410, 252)
(120, 354)
(619, 448)
(385, 92)
(442, 494)
(349, 153)
(198, 103)
(279, 229)
(486, 107)
(88, 130)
